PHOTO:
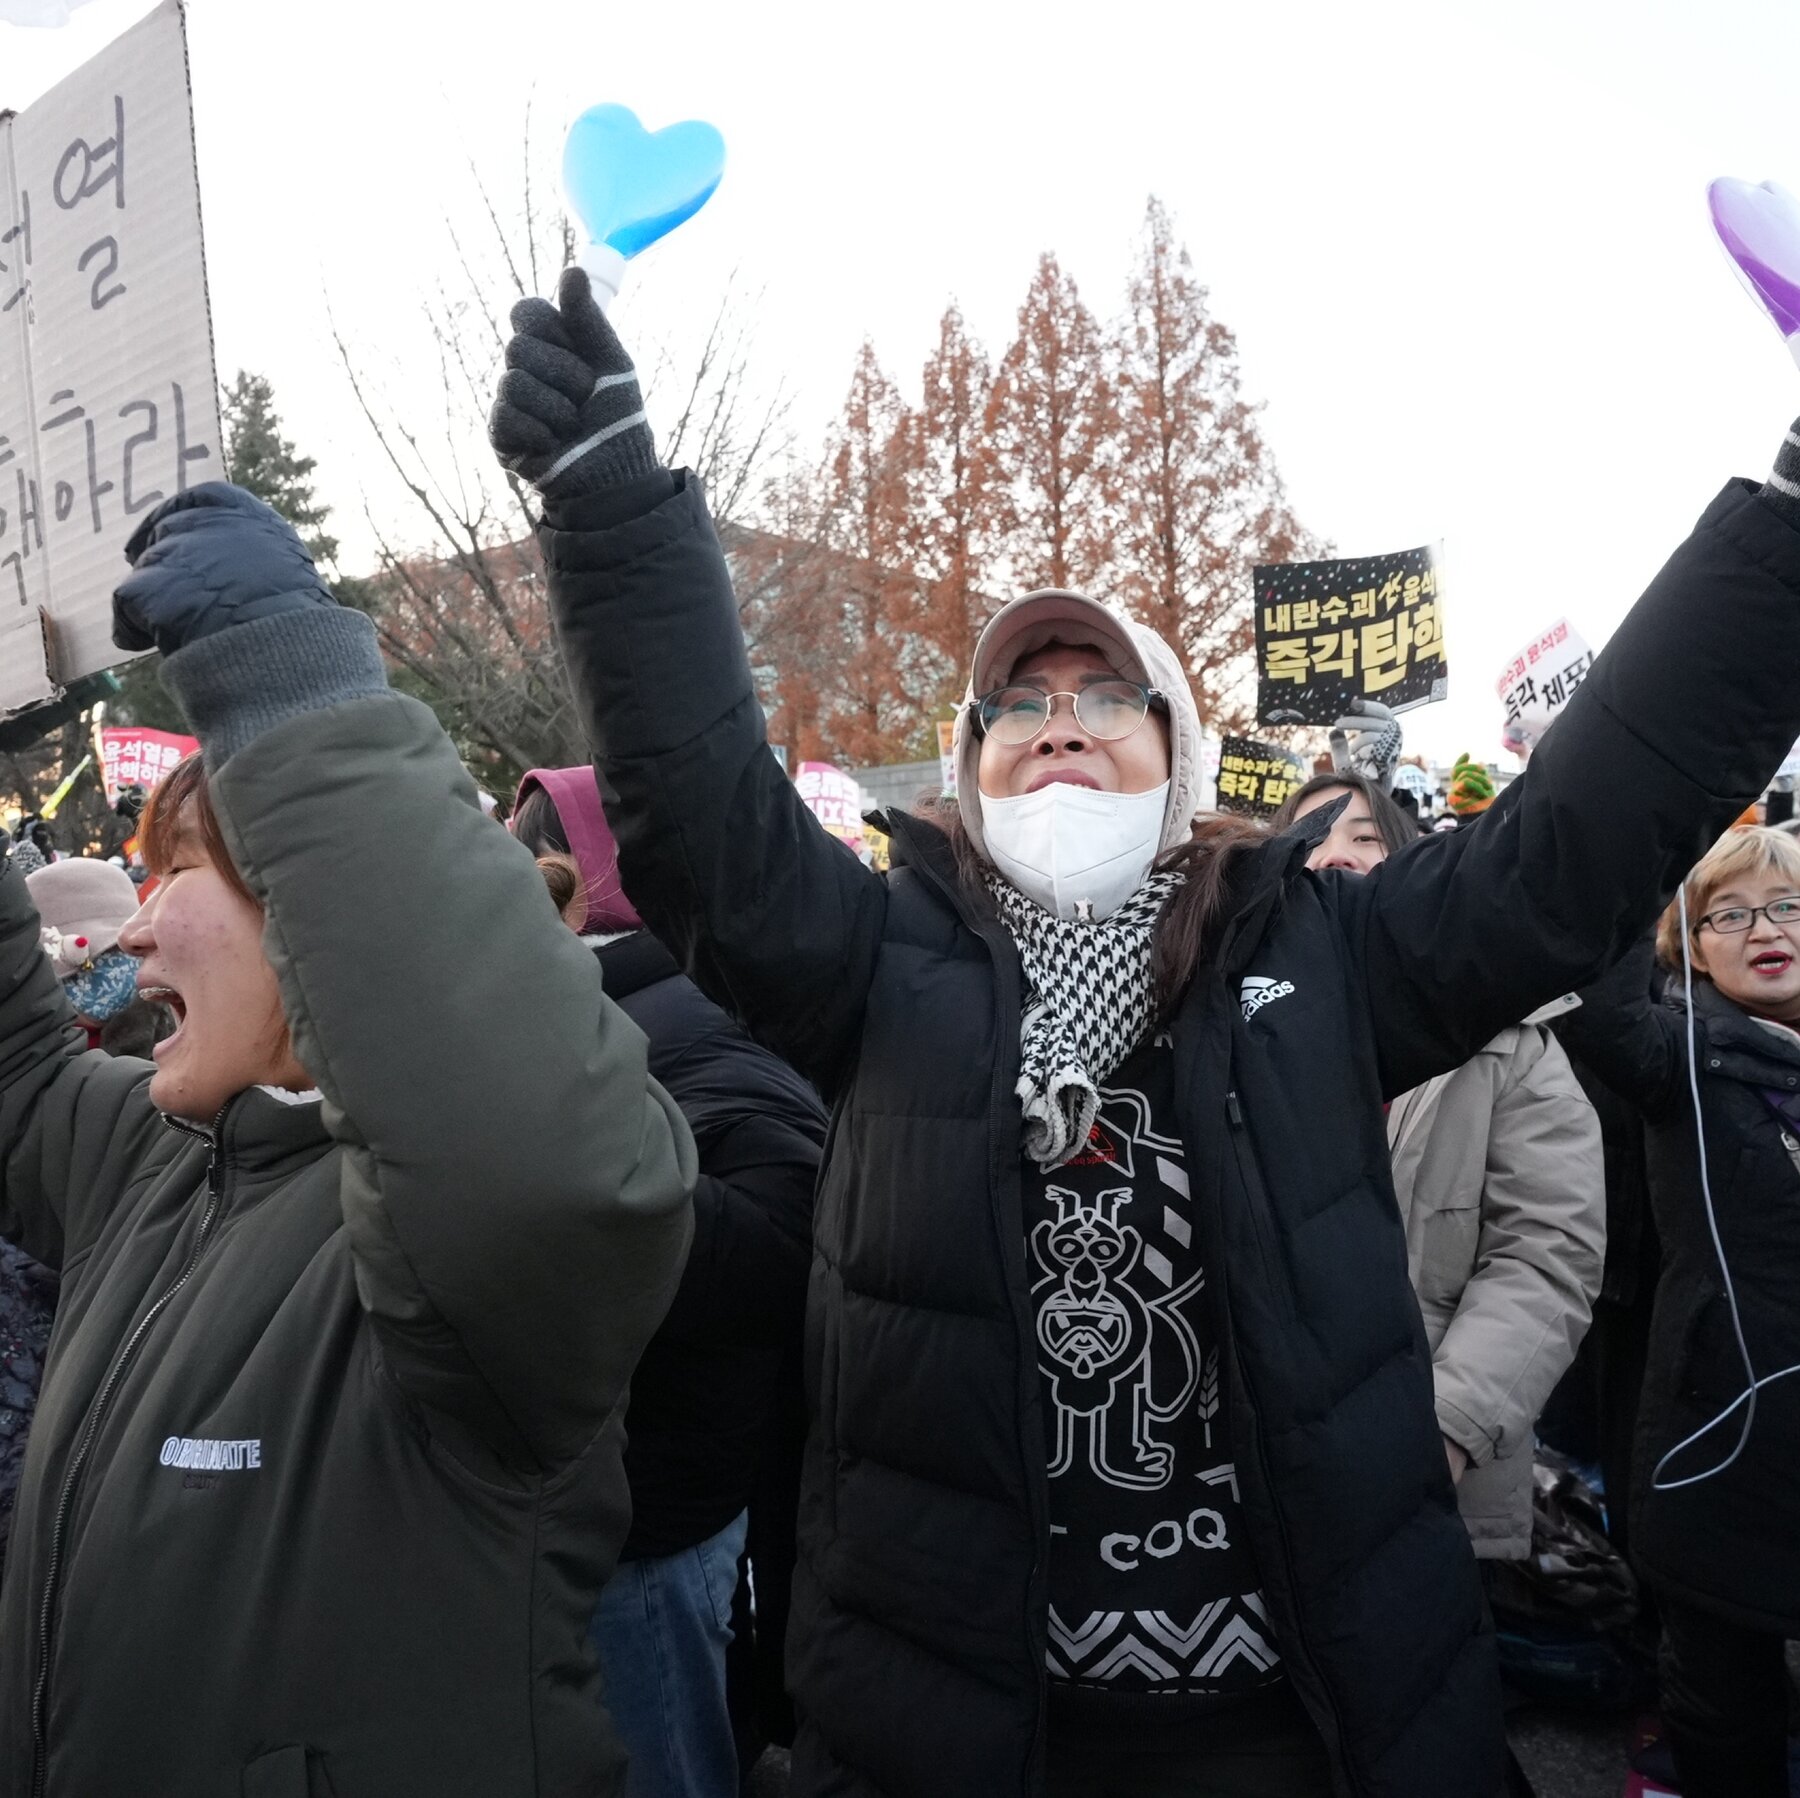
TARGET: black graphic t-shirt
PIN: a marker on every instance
(1153, 1592)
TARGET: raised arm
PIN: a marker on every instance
(515, 1186)
(1621, 1033)
(773, 918)
(74, 1125)
(1684, 718)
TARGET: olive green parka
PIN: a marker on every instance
(325, 1475)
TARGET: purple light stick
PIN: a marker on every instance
(1760, 229)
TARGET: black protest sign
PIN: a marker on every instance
(1366, 627)
(1255, 778)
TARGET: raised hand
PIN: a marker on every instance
(207, 559)
(568, 417)
(1367, 742)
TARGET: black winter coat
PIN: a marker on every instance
(918, 1642)
(1731, 1543)
(703, 1395)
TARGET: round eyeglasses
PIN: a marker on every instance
(1106, 709)
(1734, 920)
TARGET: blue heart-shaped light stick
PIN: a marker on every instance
(630, 187)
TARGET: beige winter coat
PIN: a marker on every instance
(1498, 1170)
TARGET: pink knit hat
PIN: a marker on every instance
(576, 795)
(83, 904)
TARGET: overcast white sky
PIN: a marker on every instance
(1464, 249)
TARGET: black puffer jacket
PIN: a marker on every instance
(703, 1395)
(1731, 1543)
(917, 1650)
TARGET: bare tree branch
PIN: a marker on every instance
(465, 617)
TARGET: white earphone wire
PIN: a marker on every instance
(1747, 1397)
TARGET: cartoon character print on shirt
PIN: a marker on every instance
(1103, 1295)
(1153, 1590)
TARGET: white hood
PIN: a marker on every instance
(1051, 615)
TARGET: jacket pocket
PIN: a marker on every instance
(291, 1772)
(717, 1565)
(1712, 1365)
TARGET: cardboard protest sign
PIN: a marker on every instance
(834, 799)
(1256, 777)
(108, 397)
(131, 757)
(1539, 681)
(1369, 627)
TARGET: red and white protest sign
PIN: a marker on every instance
(834, 799)
(140, 758)
(1539, 681)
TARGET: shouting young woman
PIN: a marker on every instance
(1124, 1473)
(325, 1476)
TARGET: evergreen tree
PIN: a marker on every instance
(261, 460)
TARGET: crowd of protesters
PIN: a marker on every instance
(549, 1309)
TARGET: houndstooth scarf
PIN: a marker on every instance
(1087, 1005)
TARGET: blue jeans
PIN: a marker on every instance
(661, 1630)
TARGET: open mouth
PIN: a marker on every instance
(167, 997)
(1771, 962)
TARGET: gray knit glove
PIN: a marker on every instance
(1367, 742)
(1782, 489)
(568, 417)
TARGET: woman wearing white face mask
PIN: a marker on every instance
(1124, 1474)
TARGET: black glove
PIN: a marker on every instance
(209, 558)
(568, 417)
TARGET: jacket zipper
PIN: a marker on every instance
(90, 1429)
(1245, 1155)
(1034, 1476)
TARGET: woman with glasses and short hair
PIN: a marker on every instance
(1715, 1526)
(1124, 1474)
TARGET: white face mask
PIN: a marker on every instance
(1066, 845)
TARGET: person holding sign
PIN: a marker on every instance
(325, 1476)
(1125, 1471)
